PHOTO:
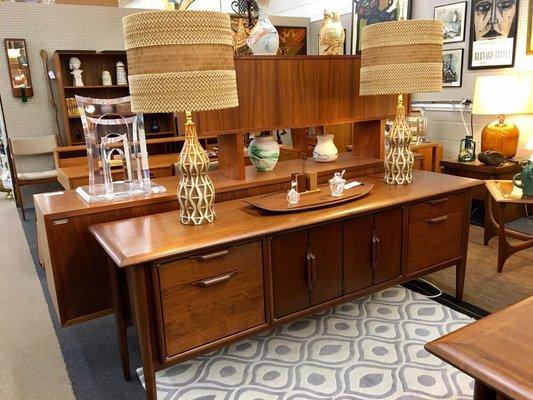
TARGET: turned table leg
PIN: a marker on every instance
(120, 312)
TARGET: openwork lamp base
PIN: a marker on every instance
(399, 158)
(196, 193)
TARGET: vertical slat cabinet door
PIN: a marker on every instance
(357, 249)
(289, 273)
(387, 245)
(325, 262)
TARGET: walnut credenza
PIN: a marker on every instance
(192, 289)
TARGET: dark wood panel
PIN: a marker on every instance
(325, 243)
(77, 268)
(388, 230)
(357, 250)
(434, 241)
(289, 273)
(205, 300)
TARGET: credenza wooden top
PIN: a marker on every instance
(496, 350)
(154, 237)
(65, 204)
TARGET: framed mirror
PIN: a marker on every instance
(19, 67)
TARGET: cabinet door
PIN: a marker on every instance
(325, 247)
(357, 249)
(289, 273)
(387, 240)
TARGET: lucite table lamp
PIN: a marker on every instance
(116, 150)
(502, 95)
(401, 57)
(182, 61)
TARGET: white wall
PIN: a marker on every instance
(447, 127)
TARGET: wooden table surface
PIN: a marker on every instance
(478, 166)
(507, 192)
(67, 203)
(154, 237)
(496, 350)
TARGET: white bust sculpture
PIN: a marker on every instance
(75, 65)
(122, 78)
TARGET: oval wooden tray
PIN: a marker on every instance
(277, 202)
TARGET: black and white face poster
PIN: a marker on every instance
(493, 33)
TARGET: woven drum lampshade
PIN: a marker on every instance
(180, 61)
(183, 61)
(401, 57)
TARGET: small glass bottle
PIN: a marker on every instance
(293, 197)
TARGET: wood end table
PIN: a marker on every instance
(504, 193)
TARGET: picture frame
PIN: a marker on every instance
(453, 17)
(452, 68)
(292, 40)
(529, 42)
(366, 13)
(492, 43)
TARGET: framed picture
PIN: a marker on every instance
(292, 40)
(453, 17)
(493, 26)
(529, 43)
(452, 68)
(367, 12)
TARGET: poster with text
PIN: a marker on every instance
(493, 29)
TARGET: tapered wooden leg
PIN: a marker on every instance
(460, 279)
(119, 310)
(502, 243)
(138, 284)
(18, 198)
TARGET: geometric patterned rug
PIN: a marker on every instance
(370, 348)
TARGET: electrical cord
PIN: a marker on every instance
(432, 296)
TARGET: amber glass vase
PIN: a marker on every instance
(500, 136)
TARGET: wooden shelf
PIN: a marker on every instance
(96, 87)
(93, 63)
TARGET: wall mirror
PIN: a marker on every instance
(19, 67)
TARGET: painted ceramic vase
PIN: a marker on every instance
(331, 39)
(325, 150)
(264, 153)
(264, 38)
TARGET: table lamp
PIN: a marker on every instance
(182, 61)
(502, 95)
(401, 57)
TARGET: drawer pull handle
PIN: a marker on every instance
(437, 220)
(438, 201)
(376, 244)
(214, 281)
(207, 257)
(311, 269)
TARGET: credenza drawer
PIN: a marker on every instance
(210, 296)
(436, 207)
(434, 240)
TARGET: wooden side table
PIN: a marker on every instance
(496, 351)
(505, 193)
(478, 170)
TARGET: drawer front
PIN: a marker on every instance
(211, 296)
(434, 240)
(436, 207)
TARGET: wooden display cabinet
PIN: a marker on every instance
(92, 64)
